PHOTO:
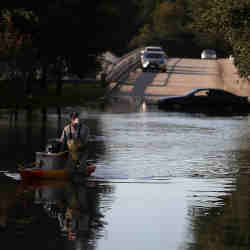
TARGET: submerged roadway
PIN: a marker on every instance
(183, 75)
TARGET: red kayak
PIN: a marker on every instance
(38, 173)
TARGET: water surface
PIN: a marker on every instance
(163, 181)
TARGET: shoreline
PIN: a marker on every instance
(72, 95)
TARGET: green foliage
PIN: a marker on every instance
(231, 20)
(45, 35)
(241, 50)
(169, 26)
(72, 94)
(16, 49)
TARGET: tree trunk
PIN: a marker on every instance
(59, 86)
(28, 79)
(44, 114)
(43, 80)
(59, 121)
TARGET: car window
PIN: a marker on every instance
(154, 55)
(154, 49)
(214, 93)
(210, 52)
(203, 92)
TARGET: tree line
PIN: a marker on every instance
(57, 38)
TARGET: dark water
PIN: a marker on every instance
(163, 181)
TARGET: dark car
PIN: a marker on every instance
(206, 100)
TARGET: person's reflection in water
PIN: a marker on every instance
(3, 218)
(69, 204)
(49, 210)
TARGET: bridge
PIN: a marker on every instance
(126, 79)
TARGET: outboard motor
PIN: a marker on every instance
(53, 146)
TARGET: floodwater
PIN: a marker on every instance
(162, 181)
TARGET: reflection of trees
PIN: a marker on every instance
(7, 200)
(225, 226)
(55, 210)
(96, 147)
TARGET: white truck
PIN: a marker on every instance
(153, 60)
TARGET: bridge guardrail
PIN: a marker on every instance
(123, 65)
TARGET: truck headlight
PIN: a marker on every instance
(145, 64)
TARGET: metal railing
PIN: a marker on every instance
(123, 65)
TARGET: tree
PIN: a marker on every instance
(168, 27)
(16, 48)
(231, 20)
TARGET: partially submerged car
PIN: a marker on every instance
(206, 100)
(154, 61)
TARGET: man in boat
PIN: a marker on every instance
(74, 138)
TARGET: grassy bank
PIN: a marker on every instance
(12, 94)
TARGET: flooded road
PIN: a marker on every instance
(163, 181)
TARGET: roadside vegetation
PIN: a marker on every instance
(73, 94)
(51, 40)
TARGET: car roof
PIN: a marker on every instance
(215, 89)
(210, 89)
(209, 51)
(203, 89)
(153, 47)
